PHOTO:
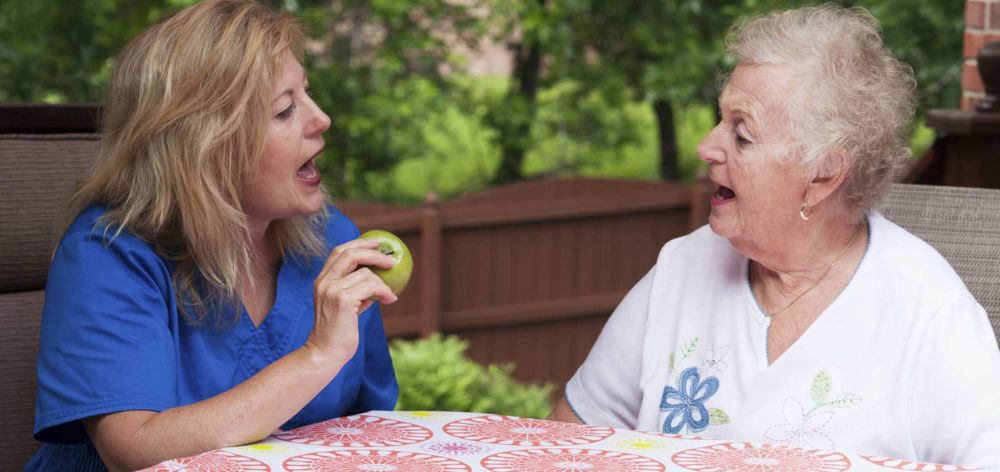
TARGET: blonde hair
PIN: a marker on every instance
(184, 126)
(853, 94)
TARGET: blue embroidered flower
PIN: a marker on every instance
(686, 403)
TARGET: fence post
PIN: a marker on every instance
(430, 265)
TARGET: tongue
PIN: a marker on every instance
(308, 170)
(726, 193)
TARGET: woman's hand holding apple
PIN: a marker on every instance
(344, 289)
(397, 276)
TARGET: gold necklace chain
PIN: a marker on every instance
(820, 279)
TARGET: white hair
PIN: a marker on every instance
(852, 94)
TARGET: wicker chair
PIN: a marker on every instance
(37, 174)
(963, 224)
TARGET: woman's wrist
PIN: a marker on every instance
(321, 357)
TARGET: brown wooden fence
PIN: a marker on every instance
(529, 272)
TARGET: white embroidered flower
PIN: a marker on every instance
(715, 359)
(802, 428)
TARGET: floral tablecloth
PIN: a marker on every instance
(447, 441)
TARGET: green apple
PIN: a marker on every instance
(389, 244)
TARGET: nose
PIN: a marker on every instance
(319, 121)
(710, 148)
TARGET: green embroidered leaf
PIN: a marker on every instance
(821, 387)
(670, 365)
(689, 347)
(717, 416)
(846, 400)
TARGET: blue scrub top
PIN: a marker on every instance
(112, 339)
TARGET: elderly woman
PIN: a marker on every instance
(193, 301)
(800, 315)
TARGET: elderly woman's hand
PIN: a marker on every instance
(344, 289)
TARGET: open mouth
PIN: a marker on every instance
(724, 193)
(309, 172)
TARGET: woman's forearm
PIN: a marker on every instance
(246, 413)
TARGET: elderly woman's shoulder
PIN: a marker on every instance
(905, 258)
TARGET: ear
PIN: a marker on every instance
(831, 177)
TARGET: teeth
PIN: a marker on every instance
(308, 170)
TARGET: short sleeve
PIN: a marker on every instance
(105, 343)
(378, 390)
(956, 389)
(606, 388)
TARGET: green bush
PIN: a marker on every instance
(434, 374)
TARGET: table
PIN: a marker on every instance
(455, 442)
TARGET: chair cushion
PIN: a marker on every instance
(37, 175)
(19, 322)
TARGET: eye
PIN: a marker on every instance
(741, 135)
(286, 113)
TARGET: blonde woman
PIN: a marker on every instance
(205, 293)
(799, 315)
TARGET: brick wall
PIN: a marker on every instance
(982, 25)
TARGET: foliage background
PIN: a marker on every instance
(593, 87)
(435, 374)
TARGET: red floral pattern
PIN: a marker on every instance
(514, 431)
(357, 431)
(569, 460)
(216, 461)
(372, 460)
(746, 457)
(461, 442)
(900, 464)
(455, 448)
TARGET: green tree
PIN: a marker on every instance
(388, 72)
(513, 115)
(381, 69)
(62, 51)
(540, 34)
(666, 53)
(927, 34)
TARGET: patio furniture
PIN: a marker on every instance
(37, 174)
